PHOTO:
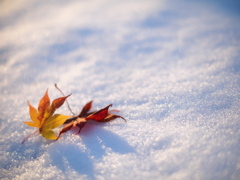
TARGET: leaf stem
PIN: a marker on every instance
(65, 100)
(29, 136)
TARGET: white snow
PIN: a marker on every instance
(170, 67)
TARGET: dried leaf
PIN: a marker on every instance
(58, 103)
(65, 129)
(99, 115)
(85, 109)
(48, 134)
(33, 114)
(43, 106)
(43, 119)
(79, 122)
(111, 117)
(102, 115)
(55, 121)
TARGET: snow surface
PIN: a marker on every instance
(170, 67)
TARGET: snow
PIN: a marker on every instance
(170, 67)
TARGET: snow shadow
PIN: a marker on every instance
(163, 143)
(98, 140)
(70, 155)
(19, 153)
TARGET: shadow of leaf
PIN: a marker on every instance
(70, 155)
(98, 139)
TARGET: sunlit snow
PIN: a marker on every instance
(170, 67)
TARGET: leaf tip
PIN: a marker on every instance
(68, 95)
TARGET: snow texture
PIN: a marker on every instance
(170, 67)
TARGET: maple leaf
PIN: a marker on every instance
(44, 118)
(102, 115)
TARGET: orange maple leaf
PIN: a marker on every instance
(44, 118)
